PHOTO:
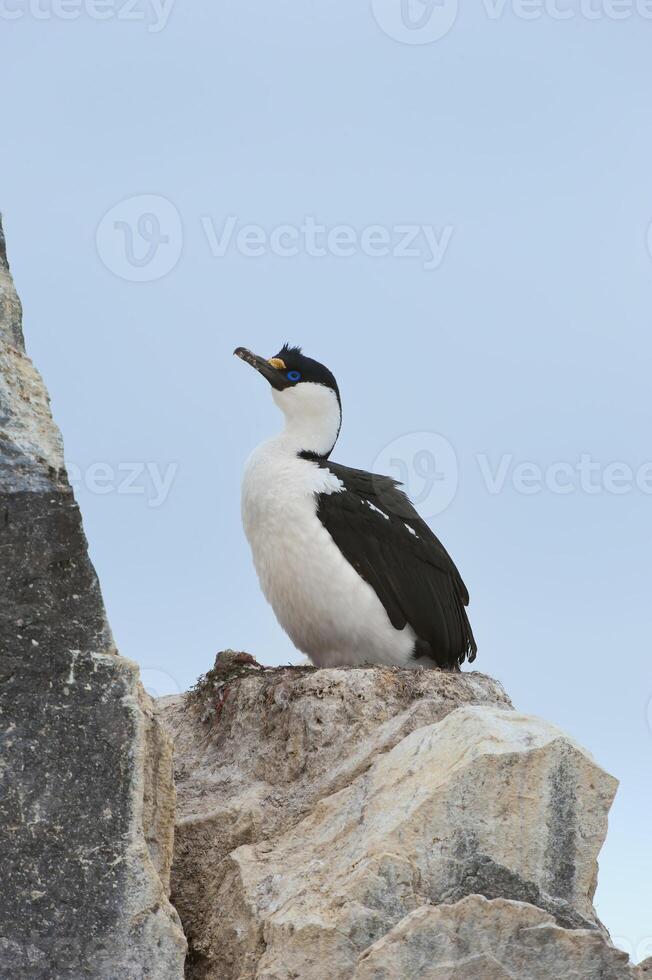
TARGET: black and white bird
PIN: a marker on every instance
(352, 572)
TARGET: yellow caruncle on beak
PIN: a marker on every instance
(277, 363)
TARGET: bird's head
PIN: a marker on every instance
(307, 394)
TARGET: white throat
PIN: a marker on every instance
(312, 418)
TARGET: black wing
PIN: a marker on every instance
(380, 533)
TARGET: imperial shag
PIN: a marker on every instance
(352, 572)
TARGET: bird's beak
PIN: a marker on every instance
(273, 370)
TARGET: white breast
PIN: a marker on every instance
(329, 612)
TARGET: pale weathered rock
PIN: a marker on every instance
(477, 939)
(86, 801)
(318, 809)
(477, 803)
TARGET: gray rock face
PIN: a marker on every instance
(10, 310)
(324, 817)
(85, 852)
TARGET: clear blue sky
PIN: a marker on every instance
(523, 147)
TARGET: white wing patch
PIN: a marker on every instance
(411, 530)
(377, 509)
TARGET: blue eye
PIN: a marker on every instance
(294, 375)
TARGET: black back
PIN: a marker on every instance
(410, 570)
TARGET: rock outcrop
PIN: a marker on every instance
(372, 823)
(86, 794)
(477, 939)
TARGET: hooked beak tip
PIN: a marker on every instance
(265, 367)
(248, 357)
